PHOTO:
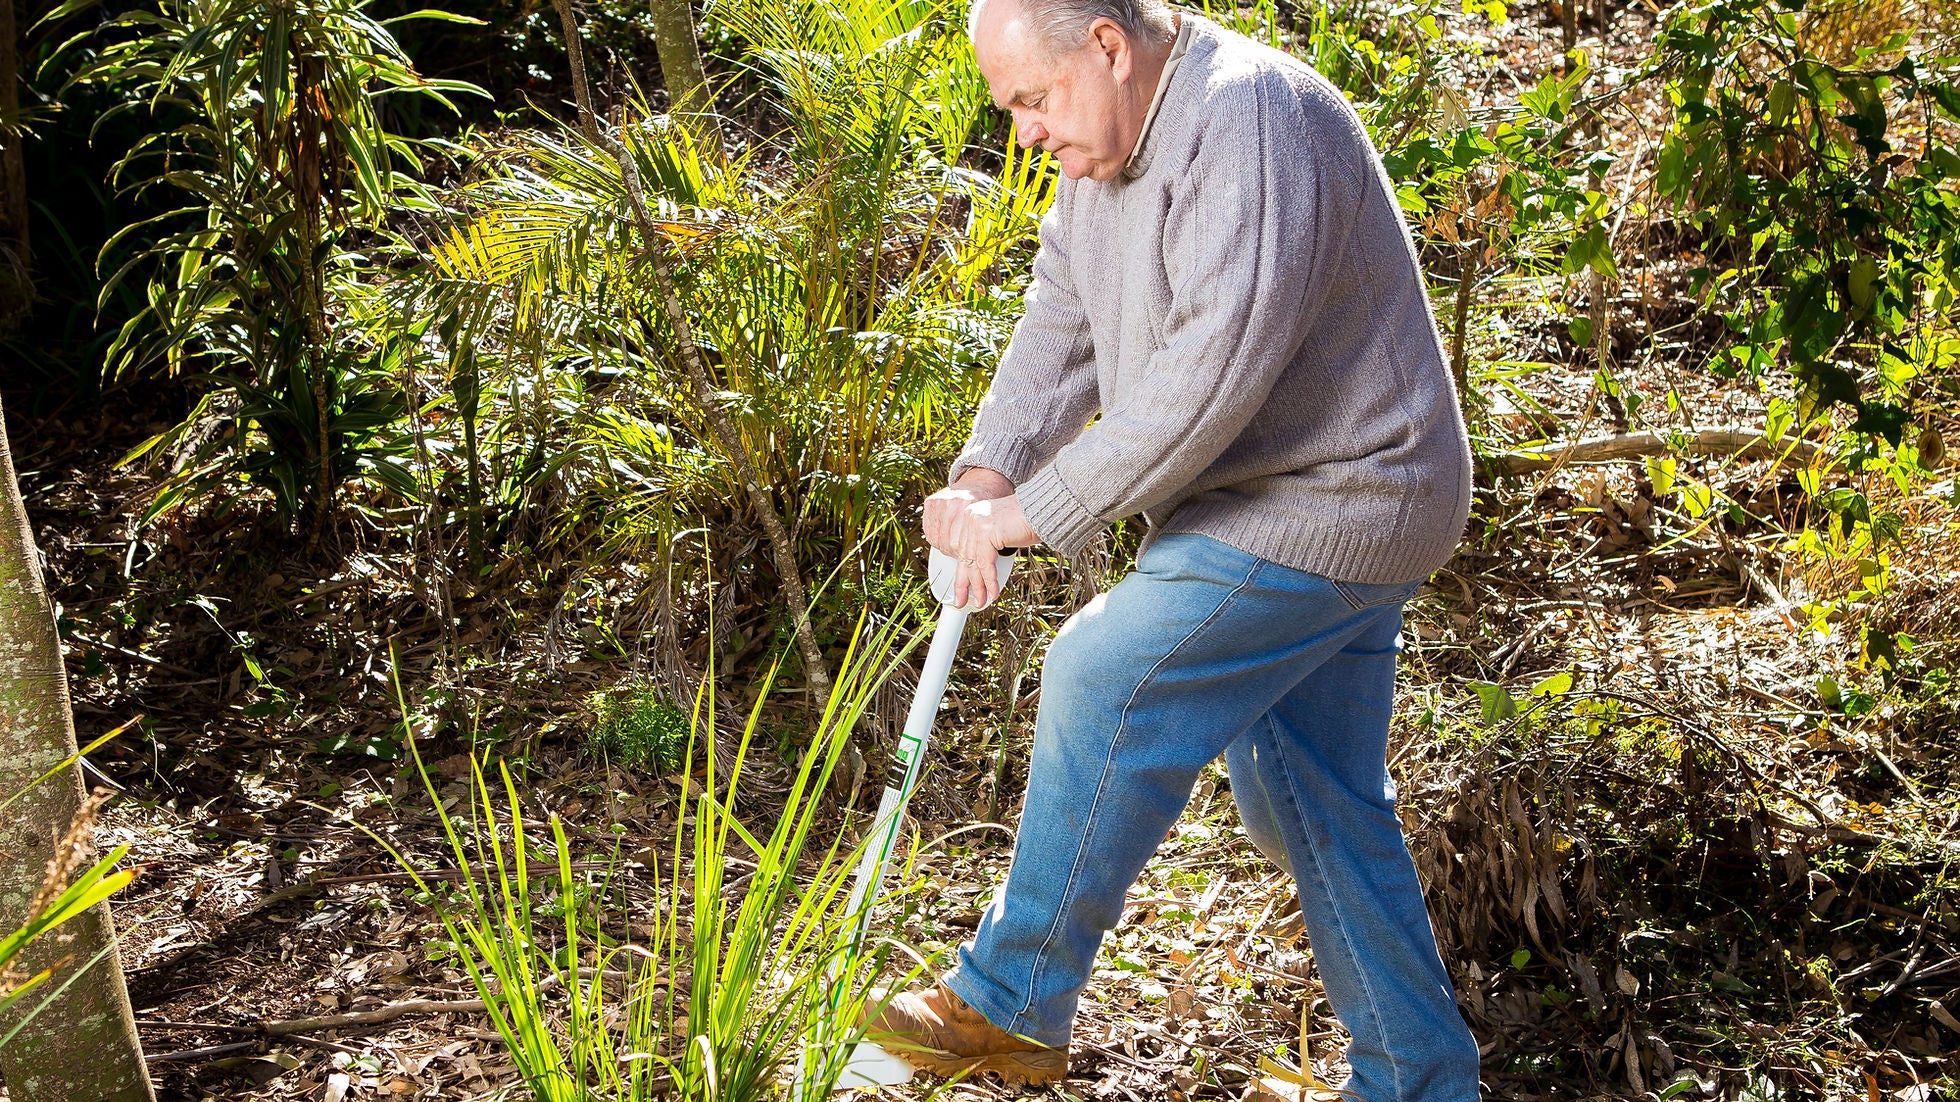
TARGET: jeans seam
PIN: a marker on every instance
(1102, 787)
(1340, 918)
(1354, 602)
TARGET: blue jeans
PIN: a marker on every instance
(1205, 649)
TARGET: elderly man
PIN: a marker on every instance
(1225, 284)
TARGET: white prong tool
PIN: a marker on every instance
(870, 1065)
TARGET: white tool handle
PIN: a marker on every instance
(943, 569)
(911, 750)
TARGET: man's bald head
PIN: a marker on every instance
(1063, 25)
(1076, 79)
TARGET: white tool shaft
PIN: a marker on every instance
(910, 756)
(932, 679)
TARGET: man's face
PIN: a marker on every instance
(1079, 104)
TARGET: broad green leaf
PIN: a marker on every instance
(1497, 704)
(1556, 685)
(1660, 471)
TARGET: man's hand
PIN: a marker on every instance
(977, 484)
(973, 521)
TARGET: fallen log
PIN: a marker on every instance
(1707, 443)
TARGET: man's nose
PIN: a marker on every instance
(1031, 133)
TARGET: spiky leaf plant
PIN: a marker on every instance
(733, 984)
(271, 139)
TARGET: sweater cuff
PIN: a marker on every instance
(1056, 514)
(1011, 458)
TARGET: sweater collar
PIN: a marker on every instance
(1187, 33)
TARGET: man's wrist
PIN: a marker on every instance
(1015, 530)
(986, 482)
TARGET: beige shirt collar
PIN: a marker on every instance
(1178, 48)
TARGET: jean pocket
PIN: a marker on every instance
(1361, 595)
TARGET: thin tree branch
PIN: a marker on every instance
(377, 1016)
(588, 120)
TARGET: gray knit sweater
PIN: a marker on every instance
(1244, 308)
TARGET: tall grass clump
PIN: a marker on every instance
(731, 986)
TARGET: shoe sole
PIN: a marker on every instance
(1027, 1069)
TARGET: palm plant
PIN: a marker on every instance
(839, 277)
(286, 165)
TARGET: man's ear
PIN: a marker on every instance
(1112, 45)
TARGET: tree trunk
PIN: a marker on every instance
(84, 1045)
(15, 288)
(680, 56)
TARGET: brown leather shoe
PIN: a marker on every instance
(935, 1031)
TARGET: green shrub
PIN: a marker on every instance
(269, 132)
(851, 279)
(1824, 194)
(635, 726)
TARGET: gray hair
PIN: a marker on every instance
(1063, 25)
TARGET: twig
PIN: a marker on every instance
(310, 884)
(1912, 788)
(1849, 837)
(1517, 650)
(1124, 1057)
(376, 1016)
(315, 1042)
(294, 1030)
(198, 1055)
(202, 1027)
(133, 656)
(1919, 949)
(234, 1048)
